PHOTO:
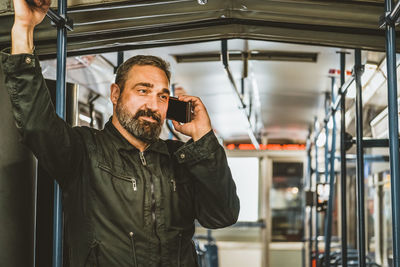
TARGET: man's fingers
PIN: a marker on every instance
(195, 100)
(42, 5)
(177, 126)
(189, 98)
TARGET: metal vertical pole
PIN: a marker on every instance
(60, 109)
(343, 164)
(326, 148)
(316, 197)
(328, 224)
(393, 134)
(360, 161)
(309, 176)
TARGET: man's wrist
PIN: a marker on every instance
(199, 134)
(22, 39)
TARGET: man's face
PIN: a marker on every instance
(142, 106)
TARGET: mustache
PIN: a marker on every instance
(148, 113)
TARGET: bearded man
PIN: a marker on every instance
(130, 199)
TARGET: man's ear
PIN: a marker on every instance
(115, 92)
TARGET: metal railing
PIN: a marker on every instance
(388, 21)
(63, 24)
(392, 14)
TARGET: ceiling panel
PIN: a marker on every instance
(110, 25)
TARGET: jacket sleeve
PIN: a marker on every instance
(216, 202)
(56, 145)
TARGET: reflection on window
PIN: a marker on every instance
(379, 219)
(285, 201)
(90, 118)
(245, 175)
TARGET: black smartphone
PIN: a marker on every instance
(180, 111)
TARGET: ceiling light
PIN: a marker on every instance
(371, 66)
(263, 55)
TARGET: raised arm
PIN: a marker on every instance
(57, 146)
(27, 16)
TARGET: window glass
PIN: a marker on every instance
(245, 172)
(285, 201)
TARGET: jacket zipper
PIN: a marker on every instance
(134, 185)
(142, 158)
(179, 249)
(153, 199)
(173, 184)
(125, 178)
(134, 262)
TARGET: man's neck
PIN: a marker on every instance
(139, 144)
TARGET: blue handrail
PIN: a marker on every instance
(393, 128)
(60, 109)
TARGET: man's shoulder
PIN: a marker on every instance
(89, 136)
(173, 145)
(86, 131)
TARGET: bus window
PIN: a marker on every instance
(285, 201)
(245, 172)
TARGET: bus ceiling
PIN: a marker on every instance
(109, 25)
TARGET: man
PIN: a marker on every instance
(129, 198)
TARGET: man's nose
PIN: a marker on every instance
(153, 104)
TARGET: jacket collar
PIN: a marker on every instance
(122, 144)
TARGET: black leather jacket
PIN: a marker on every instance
(122, 207)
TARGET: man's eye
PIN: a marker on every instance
(164, 97)
(142, 91)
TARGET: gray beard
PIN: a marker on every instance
(145, 131)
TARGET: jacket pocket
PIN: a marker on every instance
(181, 204)
(133, 250)
(121, 193)
(122, 177)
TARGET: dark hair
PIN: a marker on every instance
(141, 60)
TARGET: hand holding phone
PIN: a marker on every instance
(200, 124)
